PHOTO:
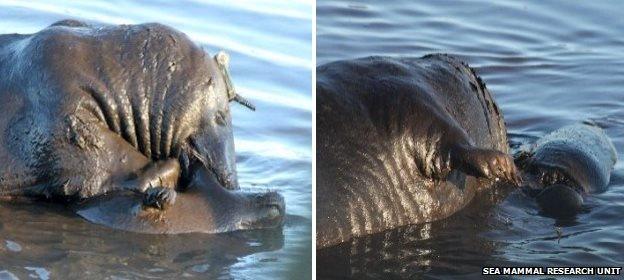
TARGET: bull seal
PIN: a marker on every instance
(566, 164)
(138, 113)
(402, 141)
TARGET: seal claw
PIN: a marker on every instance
(159, 197)
(486, 163)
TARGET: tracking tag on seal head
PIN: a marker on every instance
(223, 62)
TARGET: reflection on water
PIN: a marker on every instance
(270, 46)
(548, 64)
(453, 246)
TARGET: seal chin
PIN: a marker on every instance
(559, 201)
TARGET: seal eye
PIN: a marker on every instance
(220, 118)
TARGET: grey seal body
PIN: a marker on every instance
(402, 141)
(134, 109)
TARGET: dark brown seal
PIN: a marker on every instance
(402, 141)
(95, 110)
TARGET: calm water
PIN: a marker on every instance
(548, 63)
(270, 46)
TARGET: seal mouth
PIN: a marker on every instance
(224, 179)
(545, 175)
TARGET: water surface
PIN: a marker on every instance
(270, 47)
(548, 64)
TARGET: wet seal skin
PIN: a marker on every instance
(130, 124)
(204, 206)
(566, 164)
(403, 141)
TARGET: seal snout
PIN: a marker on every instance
(271, 210)
(555, 191)
(559, 201)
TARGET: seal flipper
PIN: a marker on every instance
(485, 163)
(453, 149)
(157, 183)
(101, 162)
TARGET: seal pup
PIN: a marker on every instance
(566, 164)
